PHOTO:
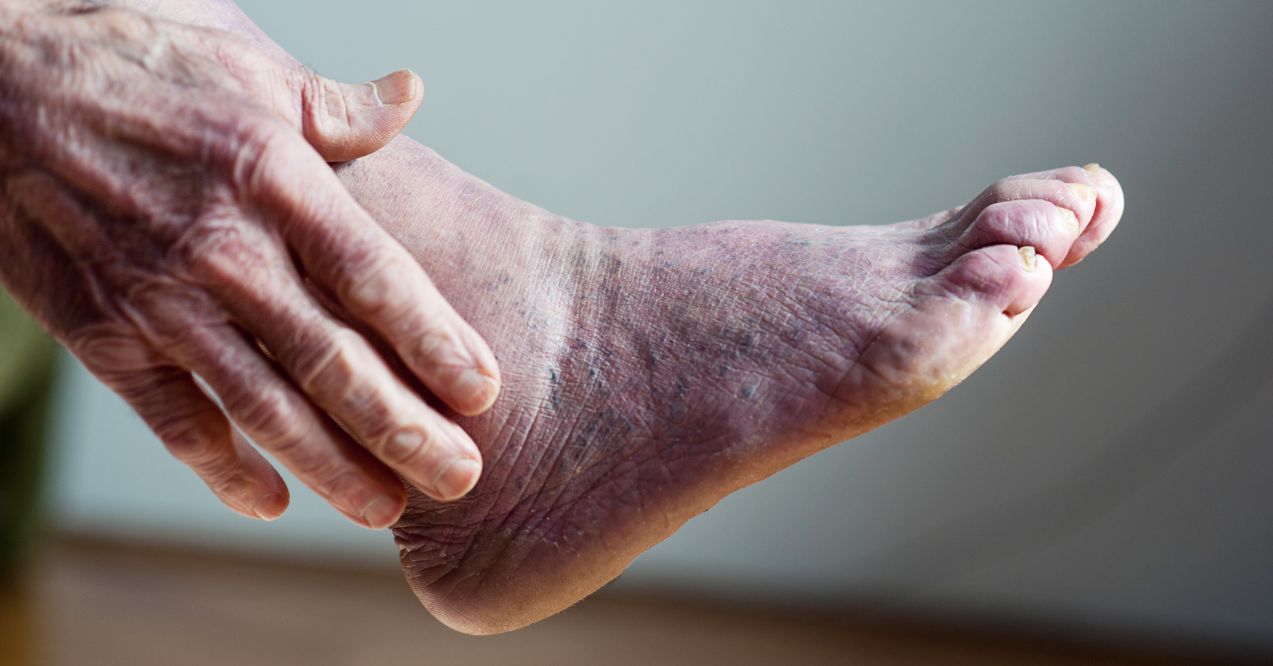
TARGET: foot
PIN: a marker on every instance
(649, 373)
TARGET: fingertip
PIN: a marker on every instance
(403, 87)
(383, 511)
(270, 507)
(474, 392)
(457, 478)
(344, 121)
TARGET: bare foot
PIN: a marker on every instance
(649, 373)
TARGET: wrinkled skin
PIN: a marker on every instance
(652, 372)
(167, 209)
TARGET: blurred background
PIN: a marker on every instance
(1100, 491)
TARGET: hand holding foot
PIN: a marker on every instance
(656, 371)
(158, 181)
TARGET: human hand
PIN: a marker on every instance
(168, 210)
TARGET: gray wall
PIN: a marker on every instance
(1110, 469)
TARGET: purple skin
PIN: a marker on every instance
(649, 373)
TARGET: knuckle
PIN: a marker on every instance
(375, 282)
(230, 253)
(270, 416)
(188, 442)
(406, 446)
(114, 354)
(325, 106)
(330, 368)
(218, 253)
(255, 143)
(435, 345)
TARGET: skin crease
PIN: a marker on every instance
(166, 209)
(648, 373)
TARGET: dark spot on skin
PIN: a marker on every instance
(748, 392)
(800, 242)
(682, 388)
(554, 395)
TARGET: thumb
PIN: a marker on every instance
(344, 121)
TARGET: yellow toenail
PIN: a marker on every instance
(1092, 168)
(1084, 192)
(1028, 257)
(1070, 220)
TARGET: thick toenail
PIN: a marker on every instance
(1070, 220)
(1029, 257)
(1084, 192)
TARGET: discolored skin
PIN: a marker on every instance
(165, 208)
(649, 373)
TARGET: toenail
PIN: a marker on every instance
(1084, 192)
(1070, 220)
(1029, 258)
(1092, 168)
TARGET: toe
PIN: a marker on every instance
(1010, 278)
(1107, 213)
(1051, 230)
(1078, 198)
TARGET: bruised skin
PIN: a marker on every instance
(649, 373)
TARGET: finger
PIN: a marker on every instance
(341, 121)
(344, 122)
(189, 424)
(271, 412)
(341, 372)
(374, 278)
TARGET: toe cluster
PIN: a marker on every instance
(1010, 238)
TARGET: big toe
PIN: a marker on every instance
(1007, 278)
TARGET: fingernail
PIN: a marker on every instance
(266, 508)
(381, 512)
(457, 478)
(1084, 192)
(1092, 168)
(477, 389)
(1029, 258)
(395, 88)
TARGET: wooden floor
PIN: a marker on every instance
(99, 603)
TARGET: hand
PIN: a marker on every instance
(168, 210)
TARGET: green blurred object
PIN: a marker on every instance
(26, 377)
